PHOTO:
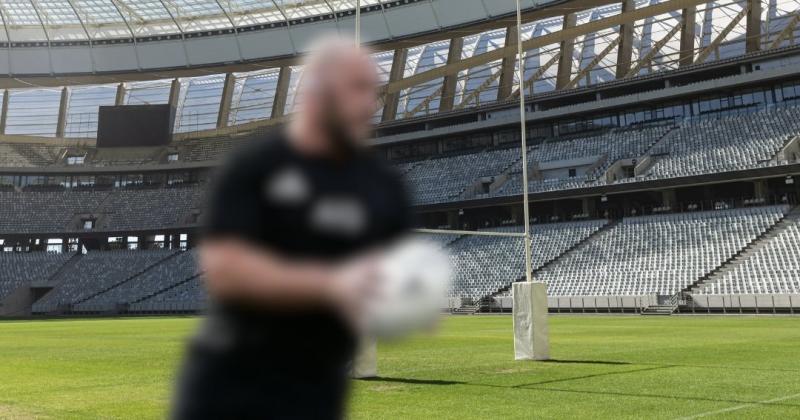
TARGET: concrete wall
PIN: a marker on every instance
(578, 303)
(734, 302)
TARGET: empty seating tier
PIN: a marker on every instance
(114, 210)
(726, 144)
(774, 267)
(187, 296)
(166, 274)
(96, 272)
(656, 254)
(485, 264)
(22, 269)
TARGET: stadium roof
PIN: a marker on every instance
(433, 55)
(58, 37)
(59, 20)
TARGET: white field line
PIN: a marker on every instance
(740, 407)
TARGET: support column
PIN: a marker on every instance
(452, 219)
(390, 101)
(753, 32)
(225, 102)
(566, 51)
(508, 66)
(669, 198)
(174, 92)
(686, 54)
(625, 48)
(450, 80)
(61, 125)
(4, 114)
(760, 188)
(516, 215)
(281, 92)
(588, 206)
(120, 98)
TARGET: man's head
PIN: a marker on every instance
(337, 93)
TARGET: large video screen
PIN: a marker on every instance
(135, 125)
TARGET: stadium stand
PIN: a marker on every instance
(164, 275)
(695, 146)
(207, 149)
(95, 273)
(729, 143)
(115, 209)
(189, 295)
(486, 264)
(446, 178)
(129, 209)
(21, 269)
(771, 266)
(28, 154)
(661, 254)
(714, 132)
(600, 150)
(45, 211)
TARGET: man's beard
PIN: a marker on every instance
(341, 137)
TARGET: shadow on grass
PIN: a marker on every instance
(413, 381)
(586, 362)
(542, 385)
(594, 375)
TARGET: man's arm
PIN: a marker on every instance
(238, 271)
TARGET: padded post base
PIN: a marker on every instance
(531, 332)
(365, 364)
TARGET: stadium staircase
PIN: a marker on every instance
(165, 289)
(653, 153)
(410, 168)
(486, 301)
(467, 192)
(467, 310)
(56, 278)
(790, 218)
(576, 246)
(784, 154)
(645, 160)
(127, 279)
(663, 309)
(33, 157)
(44, 286)
(660, 140)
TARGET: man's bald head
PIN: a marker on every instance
(337, 92)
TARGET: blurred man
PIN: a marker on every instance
(288, 262)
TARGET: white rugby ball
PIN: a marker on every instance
(414, 277)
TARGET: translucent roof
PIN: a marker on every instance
(84, 20)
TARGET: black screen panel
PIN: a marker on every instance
(134, 125)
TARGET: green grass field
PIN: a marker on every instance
(604, 367)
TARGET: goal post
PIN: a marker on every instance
(531, 335)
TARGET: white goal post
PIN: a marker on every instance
(531, 333)
(530, 311)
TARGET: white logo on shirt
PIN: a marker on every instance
(339, 215)
(288, 186)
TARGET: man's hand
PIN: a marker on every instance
(240, 272)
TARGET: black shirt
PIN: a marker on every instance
(299, 207)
